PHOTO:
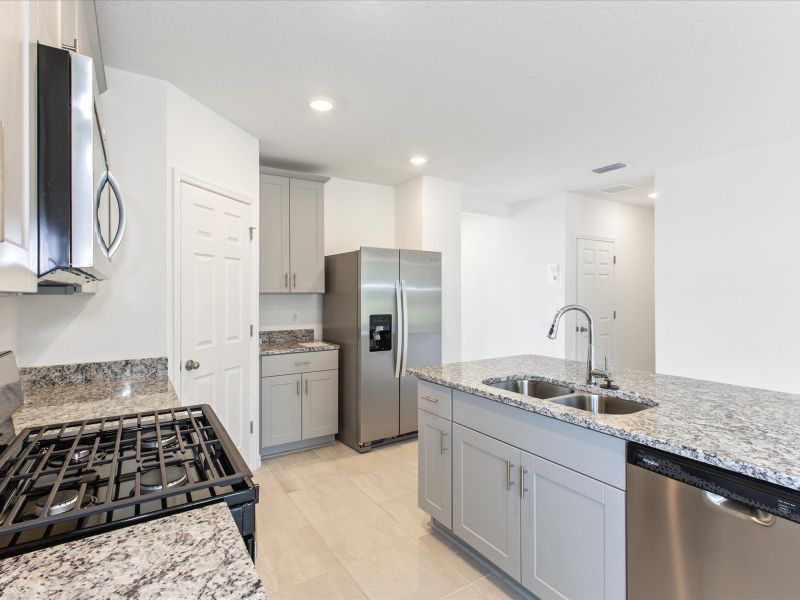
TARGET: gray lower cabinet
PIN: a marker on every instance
(486, 504)
(320, 404)
(280, 410)
(573, 533)
(435, 467)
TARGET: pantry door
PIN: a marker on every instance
(595, 291)
(215, 305)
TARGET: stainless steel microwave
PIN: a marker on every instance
(80, 202)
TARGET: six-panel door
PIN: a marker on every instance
(573, 533)
(280, 410)
(486, 506)
(320, 404)
(435, 467)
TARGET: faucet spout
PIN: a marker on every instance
(591, 372)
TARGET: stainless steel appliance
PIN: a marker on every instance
(695, 531)
(73, 480)
(384, 308)
(79, 201)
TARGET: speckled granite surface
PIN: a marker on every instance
(292, 347)
(285, 336)
(195, 554)
(747, 430)
(289, 341)
(96, 371)
(46, 404)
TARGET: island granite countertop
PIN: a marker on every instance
(746, 430)
(194, 554)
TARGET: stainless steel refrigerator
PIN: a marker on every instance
(384, 308)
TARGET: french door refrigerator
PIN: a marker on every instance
(384, 308)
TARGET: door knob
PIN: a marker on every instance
(191, 365)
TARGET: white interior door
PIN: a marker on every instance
(215, 307)
(595, 291)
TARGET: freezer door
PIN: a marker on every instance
(421, 276)
(379, 409)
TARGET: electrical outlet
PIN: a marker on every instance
(295, 317)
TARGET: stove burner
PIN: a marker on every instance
(63, 501)
(80, 455)
(151, 480)
(150, 439)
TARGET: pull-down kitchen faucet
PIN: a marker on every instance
(591, 372)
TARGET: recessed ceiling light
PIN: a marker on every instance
(418, 160)
(652, 195)
(321, 104)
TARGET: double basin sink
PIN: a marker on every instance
(559, 394)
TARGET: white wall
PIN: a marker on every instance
(408, 214)
(507, 302)
(631, 228)
(127, 318)
(8, 324)
(358, 214)
(727, 277)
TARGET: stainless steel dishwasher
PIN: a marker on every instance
(696, 531)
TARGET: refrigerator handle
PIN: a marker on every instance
(399, 329)
(405, 327)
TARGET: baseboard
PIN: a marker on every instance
(272, 451)
(441, 531)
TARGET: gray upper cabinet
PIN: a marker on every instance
(273, 261)
(306, 237)
(292, 239)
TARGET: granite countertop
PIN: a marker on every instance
(58, 403)
(194, 554)
(268, 349)
(747, 430)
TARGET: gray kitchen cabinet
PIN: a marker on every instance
(273, 261)
(307, 236)
(320, 404)
(281, 410)
(292, 239)
(572, 533)
(435, 467)
(486, 505)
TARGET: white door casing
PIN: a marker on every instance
(215, 274)
(594, 289)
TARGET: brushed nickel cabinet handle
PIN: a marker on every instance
(429, 398)
(522, 488)
(294, 281)
(441, 441)
(509, 482)
(298, 387)
(300, 363)
(286, 280)
(306, 387)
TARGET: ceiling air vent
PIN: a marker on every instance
(608, 168)
(616, 189)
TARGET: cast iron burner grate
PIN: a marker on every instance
(61, 482)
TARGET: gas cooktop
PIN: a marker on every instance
(65, 481)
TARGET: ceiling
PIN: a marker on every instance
(516, 100)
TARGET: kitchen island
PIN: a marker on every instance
(194, 554)
(540, 489)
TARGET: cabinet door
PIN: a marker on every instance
(306, 240)
(273, 239)
(435, 467)
(320, 404)
(17, 146)
(486, 507)
(573, 534)
(280, 410)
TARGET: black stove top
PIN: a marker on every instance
(66, 481)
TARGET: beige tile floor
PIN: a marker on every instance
(336, 524)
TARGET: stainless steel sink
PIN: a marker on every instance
(531, 387)
(604, 405)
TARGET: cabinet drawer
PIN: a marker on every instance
(299, 362)
(435, 399)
